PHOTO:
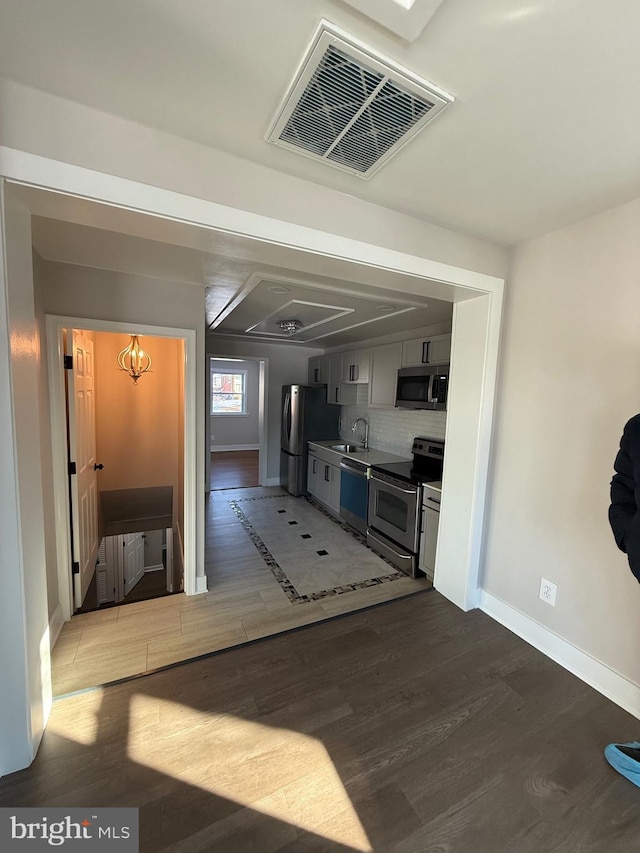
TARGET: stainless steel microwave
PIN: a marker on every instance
(423, 387)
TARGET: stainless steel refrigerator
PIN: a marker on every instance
(306, 416)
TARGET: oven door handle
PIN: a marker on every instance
(393, 486)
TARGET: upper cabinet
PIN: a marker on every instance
(355, 366)
(433, 350)
(319, 370)
(334, 390)
(385, 363)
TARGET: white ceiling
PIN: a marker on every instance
(339, 303)
(544, 130)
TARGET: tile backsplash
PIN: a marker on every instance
(392, 430)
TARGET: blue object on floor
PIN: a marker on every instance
(625, 758)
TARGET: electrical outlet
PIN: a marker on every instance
(548, 591)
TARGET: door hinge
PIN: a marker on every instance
(72, 468)
(68, 362)
(75, 567)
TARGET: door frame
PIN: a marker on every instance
(55, 325)
(263, 414)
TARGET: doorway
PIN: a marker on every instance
(125, 446)
(236, 391)
(132, 440)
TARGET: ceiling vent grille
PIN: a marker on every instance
(351, 108)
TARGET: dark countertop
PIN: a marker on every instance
(133, 510)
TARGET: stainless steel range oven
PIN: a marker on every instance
(394, 509)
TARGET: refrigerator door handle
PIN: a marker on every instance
(286, 421)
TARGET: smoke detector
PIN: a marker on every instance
(351, 107)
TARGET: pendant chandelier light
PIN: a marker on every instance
(290, 326)
(134, 360)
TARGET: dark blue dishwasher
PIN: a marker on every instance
(354, 489)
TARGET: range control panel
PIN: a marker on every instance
(428, 447)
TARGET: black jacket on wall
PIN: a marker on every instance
(624, 512)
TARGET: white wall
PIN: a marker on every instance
(570, 378)
(239, 430)
(287, 364)
(45, 443)
(25, 678)
(54, 127)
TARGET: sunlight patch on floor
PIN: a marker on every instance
(82, 726)
(284, 774)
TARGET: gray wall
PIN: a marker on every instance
(239, 430)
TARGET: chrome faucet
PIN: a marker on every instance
(354, 426)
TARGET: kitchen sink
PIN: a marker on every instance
(347, 448)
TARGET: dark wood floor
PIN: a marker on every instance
(409, 728)
(234, 469)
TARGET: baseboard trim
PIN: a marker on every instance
(596, 674)
(201, 585)
(55, 626)
(220, 448)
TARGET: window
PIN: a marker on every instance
(229, 392)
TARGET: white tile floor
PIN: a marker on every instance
(244, 602)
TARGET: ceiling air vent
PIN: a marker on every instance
(352, 108)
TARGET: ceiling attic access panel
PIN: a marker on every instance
(352, 108)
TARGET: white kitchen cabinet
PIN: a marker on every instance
(329, 486)
(313, 467)
(334, 390)
(385, 363)
(432, 350)
(355, 366)
(429, 530)
(318, 370)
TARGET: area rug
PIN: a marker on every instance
(310, 555)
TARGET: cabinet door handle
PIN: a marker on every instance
(314, 470)
(426, 347)
(336, 393)
(356, 372)
(316, 375)
(327, 473)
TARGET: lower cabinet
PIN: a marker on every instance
(429, 535)
(313, 467)
(323, 482)
(329, 486)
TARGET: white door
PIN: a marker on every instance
(132, 560)
(82, 456)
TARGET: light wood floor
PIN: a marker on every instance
(244, 602)
(408, 728)
(234, 469)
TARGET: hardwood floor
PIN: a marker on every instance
(234, 469)
(407, 728)
(244, 602)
